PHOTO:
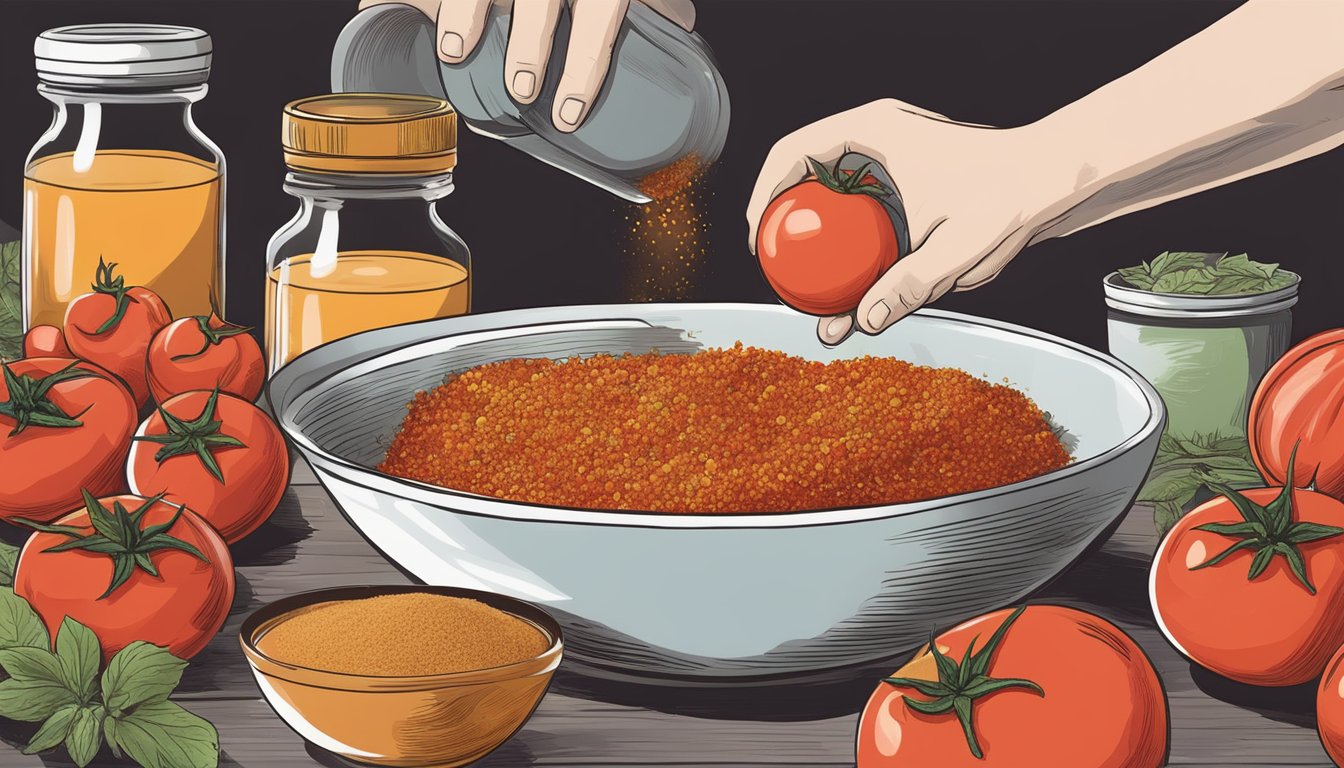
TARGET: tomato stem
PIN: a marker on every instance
(28, 403)
(115, 286)
(118, 535)
(1268, 530)
(213, 335)
(199, 436)
(846, 183)
(959, 685)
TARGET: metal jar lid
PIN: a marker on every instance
(370, 133)
(123, 56)
(1124, 297)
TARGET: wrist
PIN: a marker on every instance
(1056, 176)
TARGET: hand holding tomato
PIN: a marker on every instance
(112, 327)
(1039, 686)
(1251, 585)
(974, 197)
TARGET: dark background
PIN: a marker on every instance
(540, 237)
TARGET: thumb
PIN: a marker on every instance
(912, 282)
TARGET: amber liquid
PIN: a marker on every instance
(155, 213)
(310, 302)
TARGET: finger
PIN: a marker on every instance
(679, 12)
(913, 282)
(592, 34)
(461, 23)
(530, 34)
(833, 330)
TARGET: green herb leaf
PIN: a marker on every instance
(79, 654)
(20, 626)
(86, 735)
(164, 735)
(35, 689)
(140, 674)
(11, 314)
(1211, 274)
(9, 560)
(53, 731)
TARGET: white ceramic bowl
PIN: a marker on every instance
(701, 598)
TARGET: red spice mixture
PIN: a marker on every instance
(725, 430)
(667, 235)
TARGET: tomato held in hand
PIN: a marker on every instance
(220, 455)
(65, 425)
(205, 353)
(1040, 686)
(1297, 406)
(45, 341)
(1251, 585)
(113, 327)
(130, 569)
(823, 243)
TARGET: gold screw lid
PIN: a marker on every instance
(370, 133)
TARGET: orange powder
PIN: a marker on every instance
(402, 635)
(726, 430)
(666, 242)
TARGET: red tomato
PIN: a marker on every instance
(179, 604)
(1297, 405)
(1330, 709)
(1253, 615)
(220, 455)
(205, 353)
(45, 341)
(823, 243)
(1072, 690)
(65, 425)
(113, 327)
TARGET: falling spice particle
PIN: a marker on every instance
(667, 235)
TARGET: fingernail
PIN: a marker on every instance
(837, 326)
(877, 316)
(523, 84)
(451, 45)
(571, 110)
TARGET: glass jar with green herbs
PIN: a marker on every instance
(1203, 328)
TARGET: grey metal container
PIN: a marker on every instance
(663, 99)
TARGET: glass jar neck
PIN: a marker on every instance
(319, 186)
(62, 94)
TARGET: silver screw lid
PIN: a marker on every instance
(123, 56)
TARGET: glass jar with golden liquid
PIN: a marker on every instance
(367, 248)
(123, 174)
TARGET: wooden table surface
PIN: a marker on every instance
(307, 545)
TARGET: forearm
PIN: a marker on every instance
(1261, 88)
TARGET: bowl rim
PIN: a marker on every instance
(462, 502)
(267, 616)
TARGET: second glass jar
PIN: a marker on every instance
(367, 248)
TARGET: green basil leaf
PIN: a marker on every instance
(1198, 280)
(20, 626)
(86, 735)
(1139, 277)
(1241, 264)
(1279, 280)
(164, 735)
(53, 731)
(1176, 261)
(33, 701)
(140, 674)
(9, 559)
(79, 653)
(11, 323)
(28, 663)
(1165, 515)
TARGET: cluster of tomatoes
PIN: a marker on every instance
(133, 450)
(1249, 585)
